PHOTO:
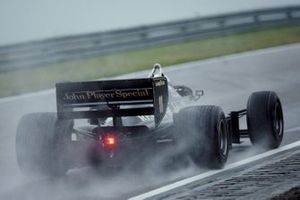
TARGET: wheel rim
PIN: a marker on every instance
(278, 119)
(223, 140)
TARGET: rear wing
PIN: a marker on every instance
(112, 98)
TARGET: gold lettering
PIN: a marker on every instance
(146, 92)
(73, 97)
(89, 95)
(137, 93)
(118, 93)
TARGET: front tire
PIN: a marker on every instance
(203, 134)
(265, 119)
(40, 143)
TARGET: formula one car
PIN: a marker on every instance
(128, 120)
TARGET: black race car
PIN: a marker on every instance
(116, 122)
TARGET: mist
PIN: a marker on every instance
(80, 182)
(33, 19)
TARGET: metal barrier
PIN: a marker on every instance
(39, 53)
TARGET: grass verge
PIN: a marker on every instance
(29, 80)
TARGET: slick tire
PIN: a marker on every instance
(41, 141)
(265, 119)
(202, 133)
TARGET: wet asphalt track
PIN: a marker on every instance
(227, 81)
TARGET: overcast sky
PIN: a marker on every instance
(23, 20)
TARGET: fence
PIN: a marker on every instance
(39, 53)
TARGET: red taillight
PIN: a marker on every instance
(109, 141)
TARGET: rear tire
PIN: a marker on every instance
(265, 119)
(41, 141)
(202, 133)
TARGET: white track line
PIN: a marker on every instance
(292, 129)
(182, 66)
(214, 172)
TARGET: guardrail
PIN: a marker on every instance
(39, 53)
